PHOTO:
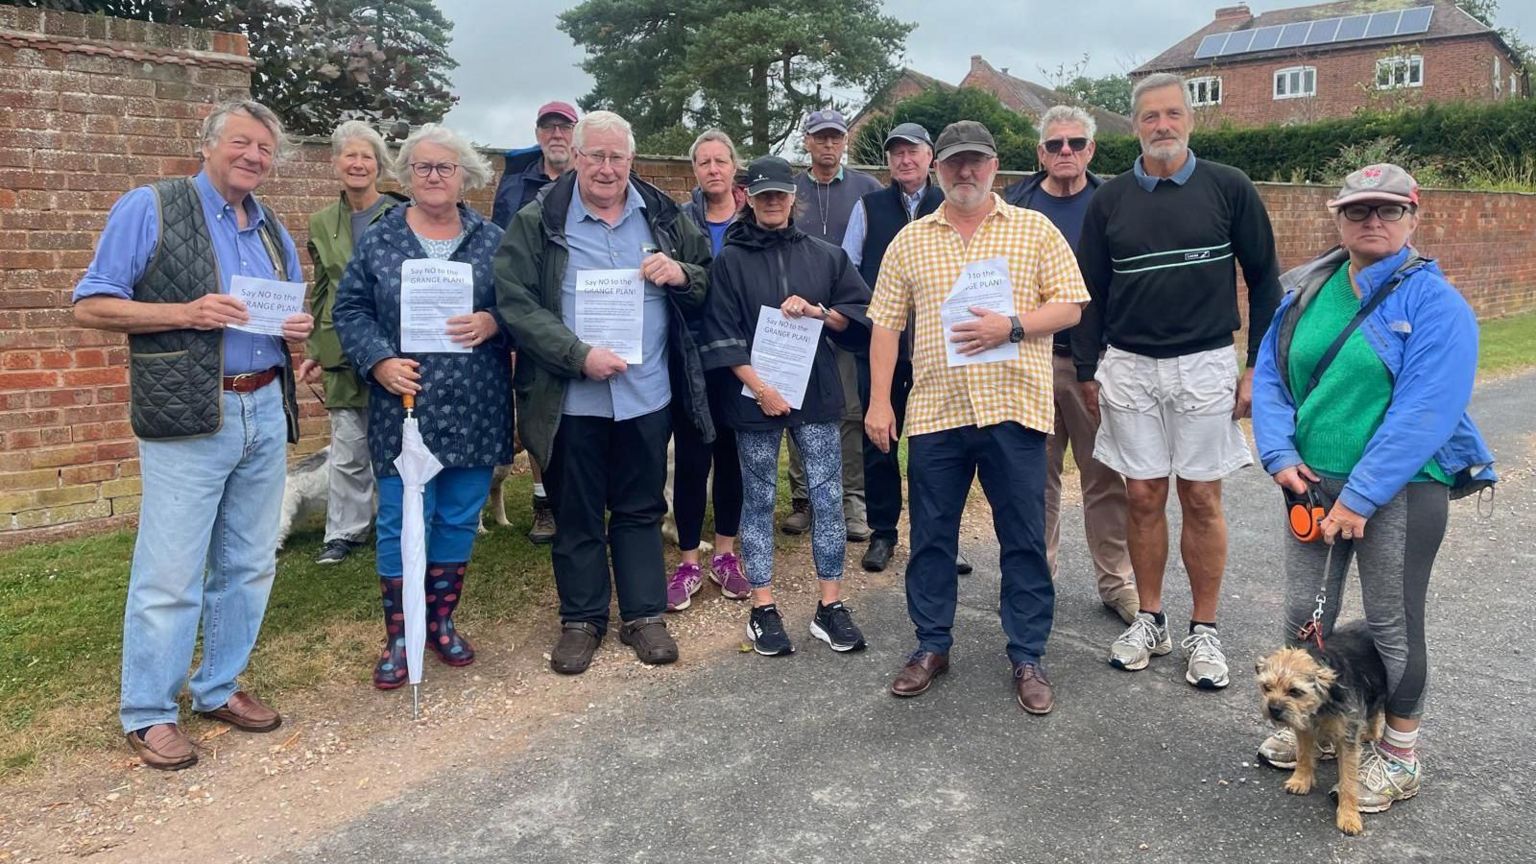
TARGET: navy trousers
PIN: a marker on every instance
(941, 466)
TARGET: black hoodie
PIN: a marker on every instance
(756, 268)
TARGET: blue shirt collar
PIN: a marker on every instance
(213, 202)
(1149, 182)
(632, 202)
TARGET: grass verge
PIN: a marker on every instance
(1507, 344)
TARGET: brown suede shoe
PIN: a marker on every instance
(917, 676)
(1125, 604)
(163, 747)
(650, 639)
(573, 652)
(246, 713)
(1034, 690)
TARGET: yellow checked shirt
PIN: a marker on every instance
(919, 270)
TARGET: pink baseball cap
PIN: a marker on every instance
(1382, 182)
(559, 109)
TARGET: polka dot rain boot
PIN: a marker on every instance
(389, 673)
(445, 583)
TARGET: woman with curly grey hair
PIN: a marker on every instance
(436, 166)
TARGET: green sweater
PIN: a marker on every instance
(1335, 422)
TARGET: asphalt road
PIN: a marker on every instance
(807, 759)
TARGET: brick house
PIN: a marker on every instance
(1314, 62)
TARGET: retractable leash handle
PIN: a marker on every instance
(1304, 512)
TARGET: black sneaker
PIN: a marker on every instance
(766, 630)
(335, 552)
(834, 626)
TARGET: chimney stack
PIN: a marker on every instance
(1230, 13)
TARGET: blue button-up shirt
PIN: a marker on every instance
(596, 245)
(1149, 181)
(128, 243)
(858, 224)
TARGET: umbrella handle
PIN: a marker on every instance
(408, 400)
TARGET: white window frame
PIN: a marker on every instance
(1200, 89)
(1408, 64)
(1298, 76)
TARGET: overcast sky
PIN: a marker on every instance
(512, 58)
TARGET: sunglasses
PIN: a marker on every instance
(1073, 145)
(1386, 212)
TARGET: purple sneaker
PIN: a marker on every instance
(686, 581)
(725, 571)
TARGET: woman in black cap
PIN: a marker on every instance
(767, 261)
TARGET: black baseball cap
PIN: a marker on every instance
(965, 136)
(911, 132)
(769, 174)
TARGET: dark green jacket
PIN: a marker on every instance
(330, 248)
(530, 268)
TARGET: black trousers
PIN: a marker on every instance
(691, 461)
(882, 471)
(619, 469)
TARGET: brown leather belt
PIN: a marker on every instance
(250, 382)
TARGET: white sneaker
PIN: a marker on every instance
(1136, 646)
(1207, 665)
(1385, 780)
(1279, 750)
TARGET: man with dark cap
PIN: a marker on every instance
(874, 223)
(827, 193)
(981, 403)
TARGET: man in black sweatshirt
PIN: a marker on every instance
(1157, 253)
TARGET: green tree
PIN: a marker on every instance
(1485, 11)
(938, 107)
(321, 61)
(750, 69)
(1110, 92)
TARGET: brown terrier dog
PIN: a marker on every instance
(1336, 695)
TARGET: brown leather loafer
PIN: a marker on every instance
(164, 748)
(246, 713)
(1033, 689)
(573, 652)
(650, 639)
(917, 676)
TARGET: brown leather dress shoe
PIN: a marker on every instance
(246, 713)
(163, 747)
(917, 676)
(1034, 689)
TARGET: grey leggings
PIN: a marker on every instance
(1395, 558)
(759, 454)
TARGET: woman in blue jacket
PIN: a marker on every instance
(463, 400)
(1382, 431)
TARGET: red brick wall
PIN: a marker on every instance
(95, 106)
(1455, 70)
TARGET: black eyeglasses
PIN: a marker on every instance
(426, 169)
(1386, 212)
(1074, 145)
(557, 127)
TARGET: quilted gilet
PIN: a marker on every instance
(175, 376)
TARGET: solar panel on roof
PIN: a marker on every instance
(1293, 35)
(1238, 43)
(1382, 24)
(1265, 38)
(1323, 31)
(1210, 46)
(1415, 21)
(1352, 27)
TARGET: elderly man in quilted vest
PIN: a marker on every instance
(213, 408)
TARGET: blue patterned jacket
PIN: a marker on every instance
(465, 404)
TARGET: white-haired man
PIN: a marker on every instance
(597, 423)
(1157, 253)
(213, 408)
(1061, 190)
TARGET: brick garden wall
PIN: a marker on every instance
(94, 106)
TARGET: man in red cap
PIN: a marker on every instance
(527, 171)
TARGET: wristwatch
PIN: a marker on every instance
(1017, 333)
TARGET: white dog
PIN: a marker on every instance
(305, 490)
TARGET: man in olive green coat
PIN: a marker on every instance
(358, 152)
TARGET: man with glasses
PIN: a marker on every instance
(527, 172)
(987, 418)
(826, 193)
(1157, 252)
(599, 423)
(1061, 190)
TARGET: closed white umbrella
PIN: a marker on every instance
(417, 467)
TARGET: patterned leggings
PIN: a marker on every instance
(759, 454)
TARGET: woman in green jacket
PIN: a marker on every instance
(357, 152)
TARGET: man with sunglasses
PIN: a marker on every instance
(1061, 190)
(1157, 253)
(527, 172)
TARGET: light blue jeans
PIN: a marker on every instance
(206, 552)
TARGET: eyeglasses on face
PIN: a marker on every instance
(1073, 145)
(427, 169)
(1386, 212)
(617, 160)
(557, 127)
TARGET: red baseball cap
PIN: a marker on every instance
(559, 109)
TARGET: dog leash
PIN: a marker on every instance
(1312, 631)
